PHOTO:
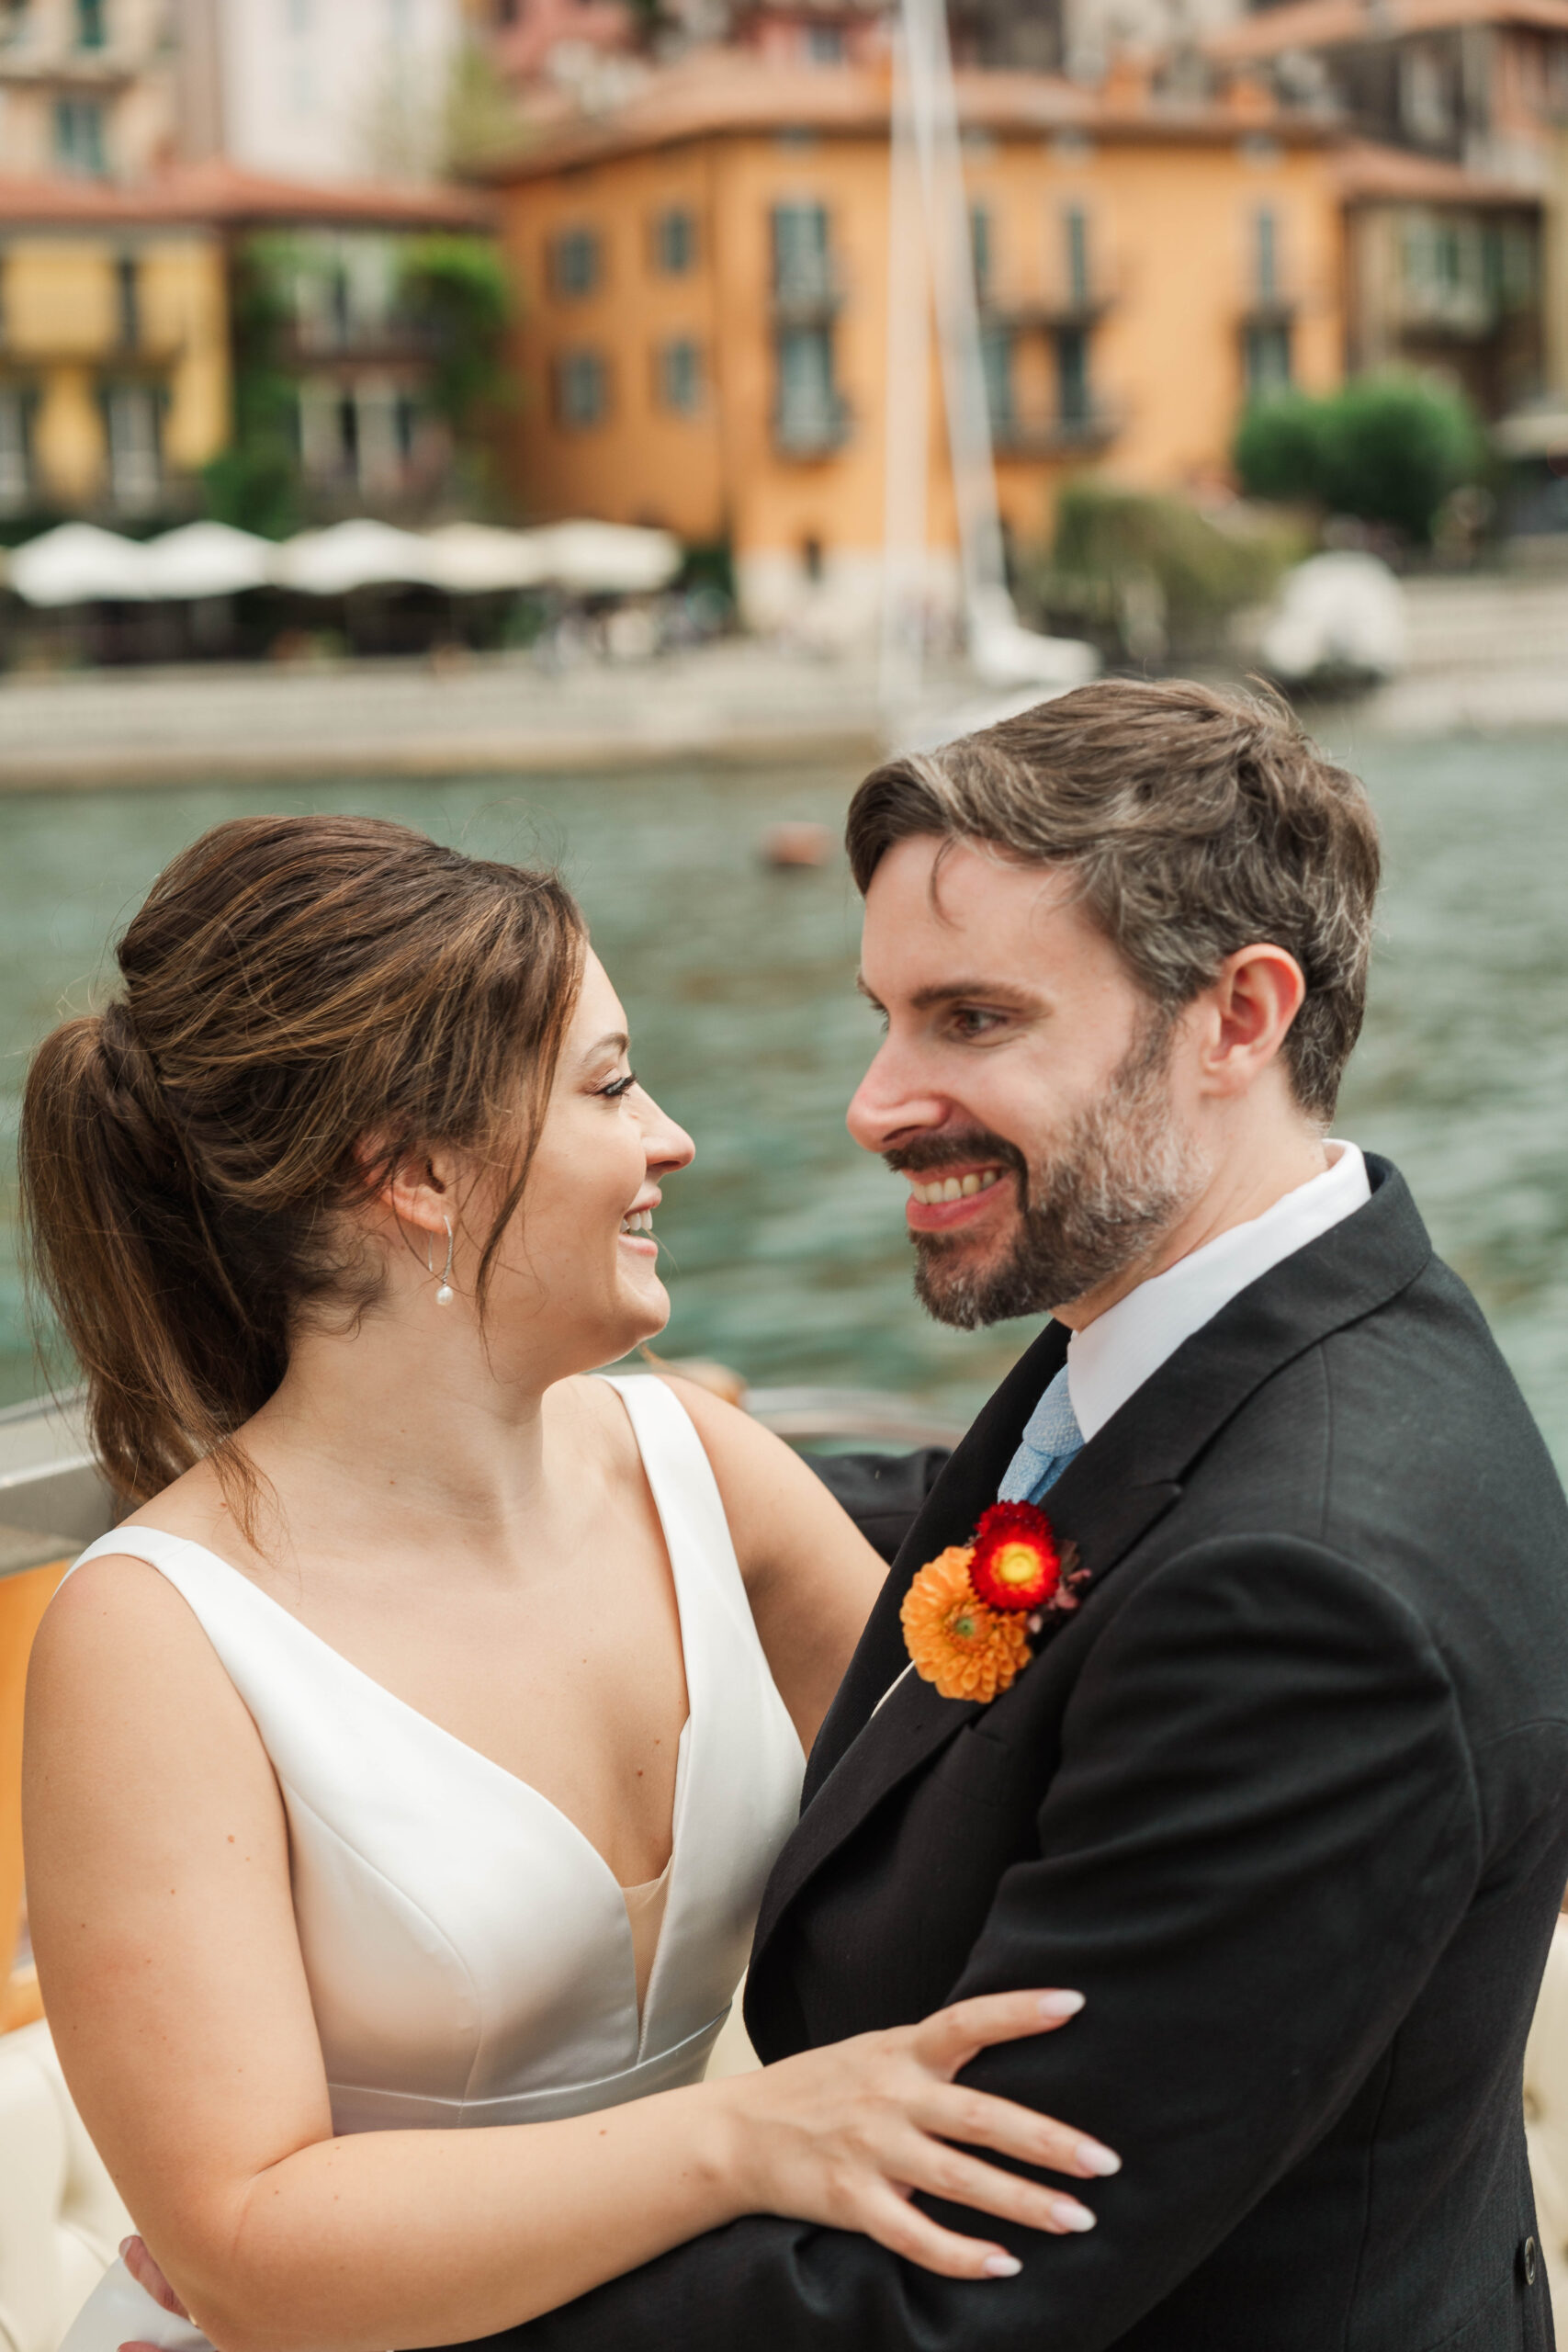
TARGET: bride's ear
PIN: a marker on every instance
(413, 1191)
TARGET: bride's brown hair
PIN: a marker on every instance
(308, 1000)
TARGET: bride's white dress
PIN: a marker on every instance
(471, 1959)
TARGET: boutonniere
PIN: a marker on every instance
(968, 1615)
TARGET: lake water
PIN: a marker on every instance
(784, 1244)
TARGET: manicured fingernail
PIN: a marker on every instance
(1002, 2265)
(1071, 2214)
(1095, 2159)
(1060, 2005)
(125, 2246)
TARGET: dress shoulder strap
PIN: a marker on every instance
(230, 1610)
(682, 1478)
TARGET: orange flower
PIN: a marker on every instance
(967, 1650)
(1016, 1563)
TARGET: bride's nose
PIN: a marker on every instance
(668, 1147)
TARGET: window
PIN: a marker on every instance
(127, 301)
(91, 29)
(995, 360)
(582, 389)
(980, 249)
(1267, 358)
(347, 453)
(825, 44)
(1425, 102)
(79, 137)
(133, 429)
(575, 263)
(802, 271)
(1073, 405)
(15, 449)
(679, 376)
(675, 243)
(1266, 258)
(1075, 228)
(810, 414)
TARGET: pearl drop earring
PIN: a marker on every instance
(444, 1295)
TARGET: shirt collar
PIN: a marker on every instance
(1120, 1349)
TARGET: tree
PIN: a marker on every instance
(1385, 448)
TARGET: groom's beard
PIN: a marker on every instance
(1120, 1176)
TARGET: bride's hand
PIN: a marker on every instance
(845, 2136)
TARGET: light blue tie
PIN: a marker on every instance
(1051, 1438)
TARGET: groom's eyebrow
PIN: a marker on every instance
(969, 992)
(959, 992)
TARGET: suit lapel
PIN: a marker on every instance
(1105, 1499)
(966, 1485)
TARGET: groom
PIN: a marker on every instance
(1286, 1795)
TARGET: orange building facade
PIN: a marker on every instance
(704, 291)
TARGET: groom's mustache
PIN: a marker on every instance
(924, 1152)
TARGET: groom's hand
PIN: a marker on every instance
(150, 2279)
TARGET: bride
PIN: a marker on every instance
(414, 1754)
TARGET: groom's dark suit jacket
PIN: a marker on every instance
(1287, 1800)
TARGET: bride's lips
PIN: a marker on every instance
(641, 1243)
(981, 1186)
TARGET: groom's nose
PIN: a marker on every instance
(890, 1103)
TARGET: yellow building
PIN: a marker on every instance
(703, 304)
(114, 349)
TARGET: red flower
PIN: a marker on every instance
(1016, 1564)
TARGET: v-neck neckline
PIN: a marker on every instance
(405, 1707)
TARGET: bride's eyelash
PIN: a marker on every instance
(617, 1087)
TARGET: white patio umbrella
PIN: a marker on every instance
(78, 564)
(608, 559)
(360, 554)
(207, 559)
(476, 560)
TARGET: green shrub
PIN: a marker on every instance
(1149, 574)
(1387, 449)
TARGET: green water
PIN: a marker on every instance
(785, 1245)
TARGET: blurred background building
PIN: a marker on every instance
(703, 286)
(524, 260)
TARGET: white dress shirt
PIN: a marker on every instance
(1118, 1351)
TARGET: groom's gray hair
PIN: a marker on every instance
(1196, 823)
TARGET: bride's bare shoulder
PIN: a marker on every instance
(117, 1623)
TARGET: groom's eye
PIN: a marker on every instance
(974, 1020)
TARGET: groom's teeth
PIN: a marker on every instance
(955, 1188)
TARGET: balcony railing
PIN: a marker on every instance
(811, 428)
(1059, 304)
(807, 287)
(1053, 432)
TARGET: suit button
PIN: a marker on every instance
(1526, 2257)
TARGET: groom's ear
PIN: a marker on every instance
(1244, 1016)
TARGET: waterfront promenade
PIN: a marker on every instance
(1487, 655)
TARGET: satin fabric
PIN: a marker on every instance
(470, 1956)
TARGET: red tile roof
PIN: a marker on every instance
(220, 195)
(1370, 174)
(1332, 24)
(716, 91)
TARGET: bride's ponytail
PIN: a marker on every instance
(294, 987)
